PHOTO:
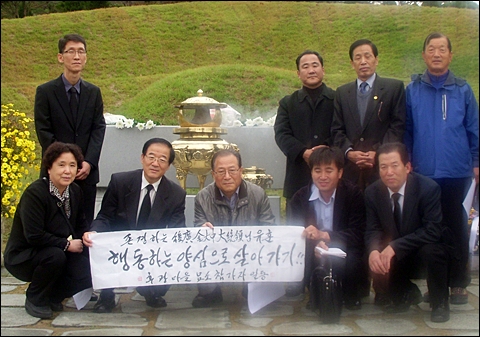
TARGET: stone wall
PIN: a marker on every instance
(122, 148)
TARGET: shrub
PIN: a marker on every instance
(18, 157)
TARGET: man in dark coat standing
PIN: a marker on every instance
(70, 110)
(302, 125)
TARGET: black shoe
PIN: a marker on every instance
(38, 311)
(56, 306)
(440, 312)
(459, 296)
(381, 299)
(411, 297)
(155, 302)
(208, 300)
(104, 306)
(93, 298)
(353, 305)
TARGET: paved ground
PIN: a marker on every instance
(286, 316)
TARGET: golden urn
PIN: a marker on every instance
(258, 176)
(199, 118)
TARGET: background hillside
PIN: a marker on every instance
(146, 59)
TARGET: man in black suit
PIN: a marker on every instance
(368, 112)
(405, 233)
(303, 121)
(122, 209)
(332, 210)
(70, 110)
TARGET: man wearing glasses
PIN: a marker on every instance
(70, 110)
(228, 201)
(141, 199)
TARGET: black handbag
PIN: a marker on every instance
(326, 293)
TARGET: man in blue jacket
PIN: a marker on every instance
(442, 139)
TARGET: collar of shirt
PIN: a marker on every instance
(317, 195)
(145, 183)
(370, 81)
(233, 199)
(68, 85)
(55, 192)
(401, 191)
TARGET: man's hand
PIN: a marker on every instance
(312, 233)
(84, 171)
(322, 244)
(362, 159)
(208, 224)
(308, 152)
(379, 263)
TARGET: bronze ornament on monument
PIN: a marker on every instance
(199, 118)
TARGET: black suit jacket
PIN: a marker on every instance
(421, 216)
(384, 120)
(39, 222)
(121, 199)
(300, 125)
(54, 121)
(348, 216)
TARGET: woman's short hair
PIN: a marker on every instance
(56, 149)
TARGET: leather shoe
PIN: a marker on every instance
(38, 311)
(353, 305)
(410, 297)
(155, 302)
(459, 296)
(56, 306)
(104, 306)
(208, 300)
(441, 312)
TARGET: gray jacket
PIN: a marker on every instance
(252, 209)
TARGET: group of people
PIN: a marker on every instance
(381, 172)
(372, 168)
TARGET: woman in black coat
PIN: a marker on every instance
(45, 246)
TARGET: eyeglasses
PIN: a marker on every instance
(72, 52)
(151, 159)
(222, 173)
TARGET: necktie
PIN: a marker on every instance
(397, 213)
(145, 209)
(363, 87)
(73, 103)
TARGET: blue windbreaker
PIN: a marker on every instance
(441, 132)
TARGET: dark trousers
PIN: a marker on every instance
(430, 258)
(107, 294)
(456, 219)
(89, 199)
(53, 275)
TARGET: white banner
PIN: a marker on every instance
(197, 255)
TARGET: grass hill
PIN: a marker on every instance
(148, 58)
